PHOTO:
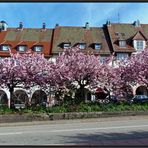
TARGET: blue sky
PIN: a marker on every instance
(71, 14)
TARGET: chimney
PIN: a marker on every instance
(21, 25)
(87, 25)
(3, 26)
(108, 23)
(137, 23)
(44, 26)
(57, 25)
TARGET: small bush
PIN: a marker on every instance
(84, 108)
(4, 110)
(96, 108)
(56, 109)
(34, 109)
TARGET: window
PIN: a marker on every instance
(22, 48)
(97, 46)
(38, 48)
(122, 43)
(102, 59)
(139, 45)
(122, 56)
(82, 45)
(66, 45)
(117, 33)
(5, 47)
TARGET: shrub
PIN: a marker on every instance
(4, 109)
(82, 107)
(96, 107)
(56, 109)
(35, 109)
(109, 107)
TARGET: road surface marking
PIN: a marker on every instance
(71, 130)
(89, 129)
(15, 133)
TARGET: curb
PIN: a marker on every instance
(10, 118)
(83, 115)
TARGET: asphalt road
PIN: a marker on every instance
(107, 131)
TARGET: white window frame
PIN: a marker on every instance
(38, 48)
(22, 46)
(122, 43)
(5, 47)
(82, 45)
(122, 56)
(98, 46)
(66, 45)
(139, 45)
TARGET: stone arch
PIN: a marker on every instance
(39, 97)
(142, 90)
(20, 97)
(3, 98)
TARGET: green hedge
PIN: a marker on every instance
(82, 107)
(95, 107)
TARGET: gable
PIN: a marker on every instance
(139, 36)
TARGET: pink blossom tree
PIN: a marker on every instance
(36, 68)
(132, 71)
(107, 75)
(23, 70)
(109, 78)
(138, 64)
(78, 69)
(12, 74)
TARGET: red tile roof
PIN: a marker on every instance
(52, 39)
(76, 35)
(128, 32)
(29, 37)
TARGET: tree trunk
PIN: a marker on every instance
(81, 94)
(11, 89)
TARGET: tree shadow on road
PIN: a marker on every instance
(116, 138)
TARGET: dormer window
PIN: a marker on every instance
(82, 45)
(139, 45)
(22, 48)
(66, 45)
(122, 43)
(98, 46)
(38, 48)
(5, 48)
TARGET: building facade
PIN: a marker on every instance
(120, 39)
